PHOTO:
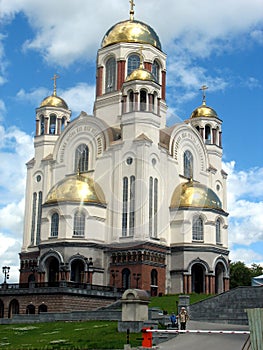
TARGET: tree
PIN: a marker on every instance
(240, 274)
(256, 270)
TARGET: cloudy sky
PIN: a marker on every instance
(218, 43)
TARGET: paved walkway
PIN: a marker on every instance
(202, 341)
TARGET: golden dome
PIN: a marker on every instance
(204, 111)
(141, 74)
(131, 31)
(76, 188)
(54, 101)
(195, 195)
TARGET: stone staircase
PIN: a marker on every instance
(228, 307)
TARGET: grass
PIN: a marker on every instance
(86, 335)
(64, 335)
(169, 302)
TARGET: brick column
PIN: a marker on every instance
(163, 85)
(59, 126)
(214, 136)
(185, 284)
(207, 284)
(120, 74)
(99, 81)
(37, 127)
(189, 289)
(148, 66)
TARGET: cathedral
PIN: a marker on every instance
(119, 198)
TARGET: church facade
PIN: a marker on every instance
(118, 198)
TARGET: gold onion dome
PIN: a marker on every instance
(76, 188)
(141, 74)
(195, 195)
(54, 101)
(131, 31)
(204, 111)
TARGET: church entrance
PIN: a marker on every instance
(77, 271)
(198, 279)
(52, 270)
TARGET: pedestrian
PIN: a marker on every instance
(183, 318)
(173, 320)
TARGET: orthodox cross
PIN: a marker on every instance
(55, 77)
(203, 88)
(132, 10)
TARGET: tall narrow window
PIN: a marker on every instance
(126, 279)
(198, 229)
(207, 134)
(153, 207)
(110, 75)
(132, 205)
(39, 216)
(188, 164)
(54, 225)
(128, 206)
(33, 221)
(218, 231)
(79, 224)
(82, 158)
(52, 124)
(156, 71)
(133, 63)
(143, 100)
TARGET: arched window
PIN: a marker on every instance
(54, 225)
(154, 277)
(52, 124)
(30, 309)
(133, 63)
(198, 229)
(156, 71)
(218, 231)
(13, 308)
(131, 101)
(188, 164)
(110, 75)
(81, 158)
(42, 125)
(126, 278)
(42, 308)
(79, 224)
(207, 134)
(143, 100)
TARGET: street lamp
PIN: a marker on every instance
(6, 270)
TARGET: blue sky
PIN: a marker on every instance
(217, 43)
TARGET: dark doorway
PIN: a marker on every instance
(52, 270)
(198, 278)
(13, 308)
(77, 271)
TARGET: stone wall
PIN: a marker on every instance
(228, 307)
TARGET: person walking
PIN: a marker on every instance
(173, 320)
(183, 318)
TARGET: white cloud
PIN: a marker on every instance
(245, 205)
(248, 256)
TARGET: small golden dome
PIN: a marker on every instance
(54, 101)
(76, 188)
(195, 195)
(141, 74)
(131, 31)
(204, 111)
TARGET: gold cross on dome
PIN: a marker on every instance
(55, 77)
(203, 88)
(132, 4)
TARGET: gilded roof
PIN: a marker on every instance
(54, 101)
(76, 188)
(195, 195)
(131, 31)
(204, 111)
(141, 74)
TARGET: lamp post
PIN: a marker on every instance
(6, 270)
(137, 276)
(90, 269)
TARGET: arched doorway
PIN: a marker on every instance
(77, 271)
(42, 308)
(13, 308)
(30, 309)
(126, 278)
(1, 309)
(154, 283)
(198, 278)
(219, 278)
(52, 266)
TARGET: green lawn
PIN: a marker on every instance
(64, 335)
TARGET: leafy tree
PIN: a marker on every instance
(256, 270)
(240, 274)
